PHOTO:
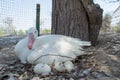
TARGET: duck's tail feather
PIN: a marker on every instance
(85, 43)
(76, 41)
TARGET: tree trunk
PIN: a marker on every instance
(76, 18)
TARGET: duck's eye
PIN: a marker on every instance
(35, 31)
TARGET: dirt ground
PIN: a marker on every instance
(102, 64)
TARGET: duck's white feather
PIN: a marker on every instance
(59, 66)
(21, 50)
(69, 66)
(42, 69)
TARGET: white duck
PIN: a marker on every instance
(49, 49)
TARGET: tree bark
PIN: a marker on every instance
(76, 18)
(94, 13)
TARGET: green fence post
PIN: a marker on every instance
(38, 18)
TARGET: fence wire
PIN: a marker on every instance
(21, 14)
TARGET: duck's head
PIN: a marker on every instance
(32, 35)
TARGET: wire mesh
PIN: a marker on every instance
(111, 7)
(21, 14)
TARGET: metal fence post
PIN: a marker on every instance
(38, 18)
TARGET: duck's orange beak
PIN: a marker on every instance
(31, 40)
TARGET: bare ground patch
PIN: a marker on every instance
(103, 64)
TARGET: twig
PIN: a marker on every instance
(2, 68)
(114, 42)
(52, 55)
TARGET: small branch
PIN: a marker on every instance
(114, 42)
(53, 55)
